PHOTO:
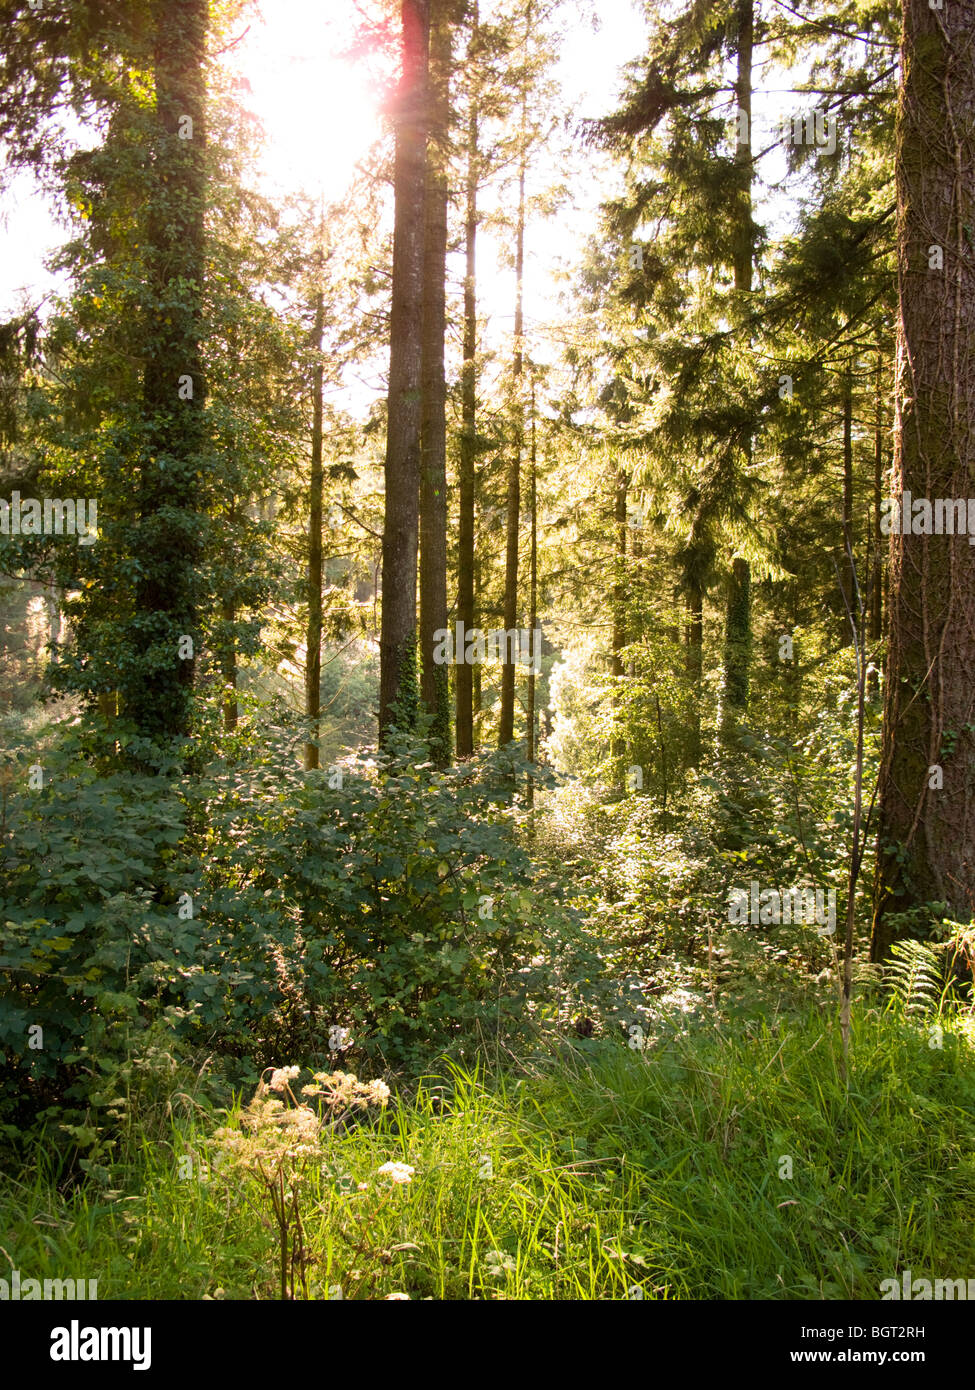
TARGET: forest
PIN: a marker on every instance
(487, 657)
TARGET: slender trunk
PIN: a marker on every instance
(738, 635)
(793, 668)
(618, 748)
(478, 670)
(695, 671)
(52, 599)
(877, 576)
(737, 656)
(926, 831)
(435, 687)
(621, 484)
(506, 729)
(744, 251)
(532, 602)
(846, 561)
(397, 643)
(468, 438)
(856, 846)
(663, 760)
(313, 639)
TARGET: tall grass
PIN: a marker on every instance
(600, 1173)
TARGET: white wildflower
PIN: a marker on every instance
(398, 1172)
(281, 1076)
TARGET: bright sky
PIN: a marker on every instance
(320, 115)
(301, 88)
(27, 236)
(318, 109)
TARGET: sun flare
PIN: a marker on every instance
(319, 108)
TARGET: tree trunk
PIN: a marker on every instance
(738, 635)
(52, 599)
(313, 637)
(227, 654)
(506, 728)
(846, 557)
(535, 650)
(173, 387)
(744, 250)
(477, 669)
(618, 747)
(926, 836)
(875, 569)
(877, 576)
(695, 671)
(464, 689)
(435, 686)
(397, 643)
(737, 654)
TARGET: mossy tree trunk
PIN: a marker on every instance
(157, 694)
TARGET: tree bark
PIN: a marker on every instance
(695, 670)
(477, 669)
(313, 636)
(737, 654)
(846, 560)
(618, 747)
(464, 688)
(506, 728)
(228, 666)
(877, 576)
(738, 634)
(397, 643)
(435, 687)
(532, 605)
(926, 836)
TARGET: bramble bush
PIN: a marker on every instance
(384, 909)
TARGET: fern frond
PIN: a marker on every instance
(914, 974)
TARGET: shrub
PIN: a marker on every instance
(384, 909)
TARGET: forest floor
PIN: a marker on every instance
(723, 1164)
(676, 1119)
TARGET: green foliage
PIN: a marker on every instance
(653, 878)
(89, 945)
(180, 915)
(915, 975)
(601, 1172)
(925, 976)
(258, 907)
